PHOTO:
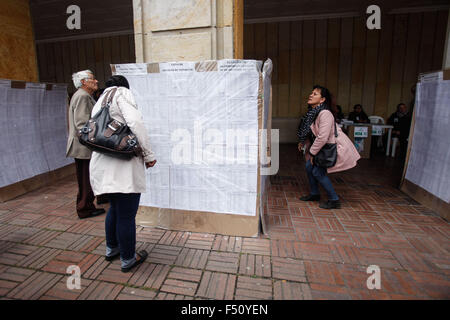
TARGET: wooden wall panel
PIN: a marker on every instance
(115, 51)
(107, 57)
(345, 64)
(333, 40)
(272, 53)
(376, 68)
(370, 71)
(283, 68)
(82, 59)
(320, 52)
(74, 56)
(59, 68)
(51, 63)
(411, 57)
(398, 60)
(295, 81)
(440, 33)
(358, 56)
(43, 69)
(384, 67)
(249, 39)
(307, 62)
(427, 41)
(131, 55)
(59, 60)
(66, 59)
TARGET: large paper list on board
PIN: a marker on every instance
(33, 121)
(210, 121)
(429, 162)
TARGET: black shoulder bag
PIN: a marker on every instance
(106, 135)
(327, 156)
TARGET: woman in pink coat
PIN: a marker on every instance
(318, 125)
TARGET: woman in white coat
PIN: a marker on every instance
(122, 180)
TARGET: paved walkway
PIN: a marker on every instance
(309, 253)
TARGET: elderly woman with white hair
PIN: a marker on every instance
(79, 113)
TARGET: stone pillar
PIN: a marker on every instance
(188, 30)
(446, 60)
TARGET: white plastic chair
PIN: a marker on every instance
(376, 120)
(394, 144)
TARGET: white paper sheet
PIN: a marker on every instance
(429, 160)
(35, 126)
(203, 128)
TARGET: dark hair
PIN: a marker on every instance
(98, 93)
(400, 104)
(339, 108)
(117, 81)
(325, 93)
(363, 114)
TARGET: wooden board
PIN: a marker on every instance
(383, 68)
(82, 60)
(272, 53)
(199, 221)
(295, 67)
(376, 68)
(249, 36)
(370, 71)
(411, 56)
(358, 55)
(365, 154)
(345, 65)
(427, 199)
(307, 63)
(46, 179)
(440, 33)
(238, 29)
(397, 62)
(260, 39)
(320, 52)
(283, 68)
(334, 33)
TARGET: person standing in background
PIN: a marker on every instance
(80, 108)
(358, 115)
(401, 120)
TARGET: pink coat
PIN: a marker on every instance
(323, 129)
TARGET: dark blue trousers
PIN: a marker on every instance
(120, 225)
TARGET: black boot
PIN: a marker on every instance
(330, 204)
(311, 197)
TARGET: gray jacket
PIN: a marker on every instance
(80, 109)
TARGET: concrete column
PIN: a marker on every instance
(187, 30)
(446, 60)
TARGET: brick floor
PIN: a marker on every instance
(216, 285)
(307, 253)
(253, 288)
(288, 290)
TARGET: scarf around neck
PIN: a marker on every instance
(304, 129)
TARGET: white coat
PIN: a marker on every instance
(113, 175)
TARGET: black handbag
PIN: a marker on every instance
(106, 135)
(327, 156)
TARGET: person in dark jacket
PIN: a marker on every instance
(338, 114)
(358, 115)
(401, 120)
